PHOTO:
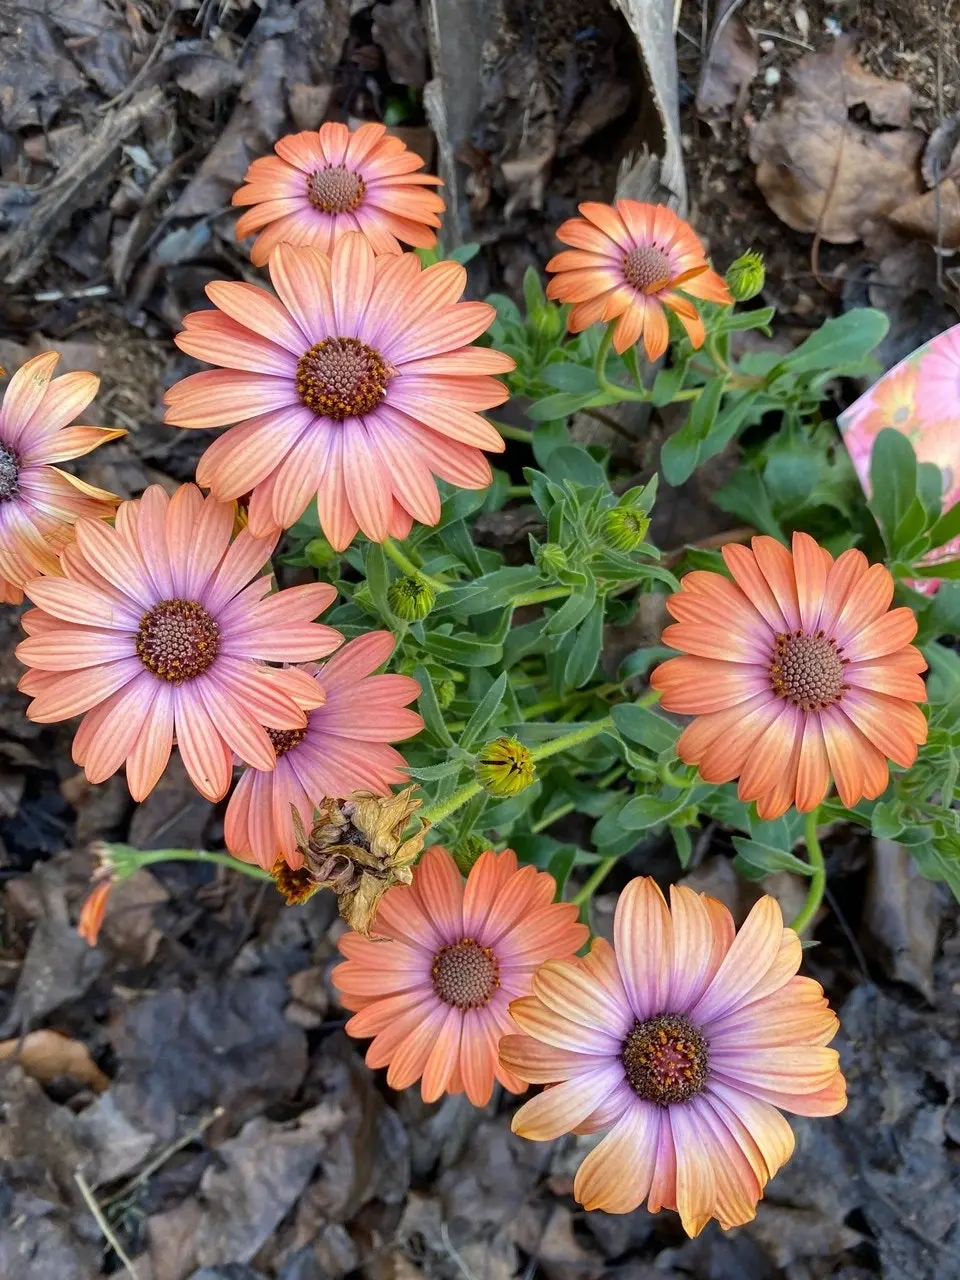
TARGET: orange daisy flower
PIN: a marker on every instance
(632, 261)
(156, 630)
(320, 185)
(681, 1042)
(798, 669)
(38, 502)
(434, 990)
(356, 388)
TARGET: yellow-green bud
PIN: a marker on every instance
(745, 277)
(623, 529)
(505, 767)
(411, 598)
(446, 691)
(466, 853)
(320, 553)
(551, 559)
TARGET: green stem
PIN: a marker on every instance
(671, 779)
(144, 858)
(513, 433)
(818, 881)
(600, 873)
(614, 389)
(436, 813)
(518, 491)
(403, 561)
(539, 596)
(561, 811)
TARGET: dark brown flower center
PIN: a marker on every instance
(665, 1059)
(177, 640)
(9, 474)
(647, 268)
(296, 886)
(807, 670)
(285, 740)
(465, 974)
(335, 190)
(342, 378)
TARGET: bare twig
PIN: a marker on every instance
(160, 1160)
(90, 1200)
(129, 90)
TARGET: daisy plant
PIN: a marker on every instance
(484, 726)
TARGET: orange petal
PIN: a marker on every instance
(559, 1109)
(887, 634)
(696, 1179)
(811, 576)
(769, 753)
(742, 563)
(616, 1175)
(869, 599)
(843, 742)
(844, 574)
(643, 939)
(776, 565)
(696, 686)
(895, 726)
(813, 770)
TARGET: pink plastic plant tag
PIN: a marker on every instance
(920, 397)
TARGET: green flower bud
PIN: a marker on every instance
(446, 691)
(411, 598)
(548, 321)
(623, 529)
(551, 559)
(320, 553)
(466, 853)
(505, 767)
(745, 276)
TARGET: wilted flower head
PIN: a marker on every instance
(433, 991)
(156, 631)
(342, 747)
(632, 261)
(798, 670)
(682, 1042)
(355, 388)
(320, 185)
(358, 848)
(505, 767)
(39, 502)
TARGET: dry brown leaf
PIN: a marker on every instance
(818, 169)
(731, 64)
(45, 1055)
(933, 217)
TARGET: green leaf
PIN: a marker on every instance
(560, 866)
(507, 309)
(949, 570)
(429, 708)
(681, 452)
(683, 843)
(375, 568)
(464, 253)
(947, 527)
(568, 376)
(887, 819)
(893, 481)
(585, 654)
(573, 611)
(667, 383)
(561, 405)
(487, 708)
(462, 651)
(643, 812)
(456, 538)
(640, 661)
(533, 294)
(758, 318)
(930, 491)
(572, 463)
(764, 858)
(850, 337)
(745, 496)
(643, 725)
(938, 862)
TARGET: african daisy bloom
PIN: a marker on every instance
(342, 748)
(356, 387)
(680, 1042)
(156, 631)
(433, 989)
(321, 184)
(631, 261)
(797, 670)
(38, 502)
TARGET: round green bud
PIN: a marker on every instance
(505, 767)
(320, 553)
(745, 277)
(411, 598)
(446, 691)
(623, 529)
(551, 559)
(466, 853)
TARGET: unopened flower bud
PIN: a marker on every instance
(623, 529)
(468, 851)
(411, 598)
(745, 276)
(446, 691)
(551, 559)
(320, 553)
(505, 767)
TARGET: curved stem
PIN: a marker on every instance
(512, 433)
(600, 873)
(435, 813)
(818, 881)
(614, 389)
(127, 854)
(403, 561)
